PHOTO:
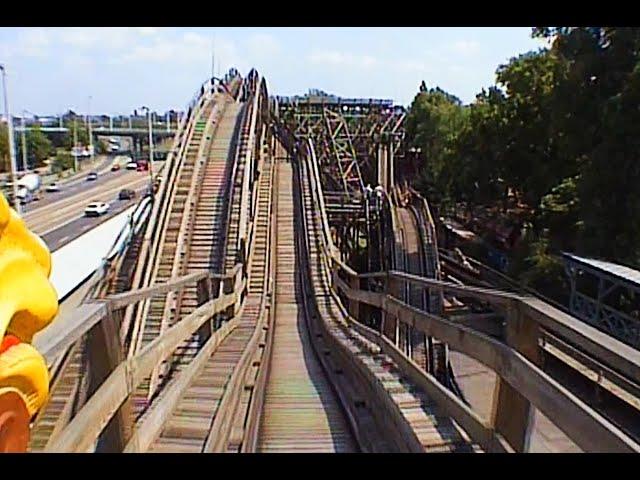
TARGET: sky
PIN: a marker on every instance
(53, 69)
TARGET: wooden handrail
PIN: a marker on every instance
(585, 426)
(87, 425)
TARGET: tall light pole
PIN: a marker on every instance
(90, 136)
(24, 141)
(150, 149)
(12, 147)
(74, 150)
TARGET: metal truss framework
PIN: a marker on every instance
(600, 310)
(353, 140)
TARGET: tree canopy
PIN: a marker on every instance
(39, 147)
(4, 148)
(560, 129)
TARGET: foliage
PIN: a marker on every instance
(39, 147)
(63, 161)
(561, 131)
(4, 148)
(101, 147)
(82, 134)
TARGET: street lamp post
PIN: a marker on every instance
(90, 136)
(74, 150)
(150, 148)
(24, 141)
(12, 147)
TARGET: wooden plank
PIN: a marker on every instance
(155, 420)
(586, 427)
(512, 413)
(105, 354)
(59, 336)
(606, 349)
(479, 431)
(495, 297)
(80, 434)
(123, 299)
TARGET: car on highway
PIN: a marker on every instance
(96, 209)
(93, 176)
(126, 194)
(115, 167)
(53, 187)
(132, 166)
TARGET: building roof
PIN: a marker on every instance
(620, 271)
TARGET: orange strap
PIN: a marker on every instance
(14, 424)
(8, 341)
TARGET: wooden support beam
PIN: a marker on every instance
(512, 413)
(354, 305)
(587, 428)
(91, 420)
(105, 354)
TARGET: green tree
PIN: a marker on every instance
(39, 147)
(597, 100)
(63, 161)
(433, 124)
(81, 132)
(101, 147)
(4, 148)
(561, 129)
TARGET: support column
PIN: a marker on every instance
(382, 166)
(390, 168)
(512, 413)
(105, 354)
(390, 324)
(354, 305)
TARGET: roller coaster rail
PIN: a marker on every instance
(510, 361)
(283, 271)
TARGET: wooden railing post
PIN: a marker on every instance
(390, 323)
(354, 305)
(204, 293)
(512, 413)
(105, 354)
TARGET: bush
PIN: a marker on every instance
(63, 161)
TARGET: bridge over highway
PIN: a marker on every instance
(272, 301)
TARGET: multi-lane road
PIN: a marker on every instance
(58, 217)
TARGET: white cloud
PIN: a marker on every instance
(30, 42)
(75, 61)
(189, 48)
(334, 58)
(110, 38)
(466, 47)
(410, 66)
(263, 45)
(148, 30)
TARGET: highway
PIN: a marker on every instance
(59, 217)
(77, 183)
(71, 230)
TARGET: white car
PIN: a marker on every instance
(96, 209)
(132, 166)
(53, 187)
